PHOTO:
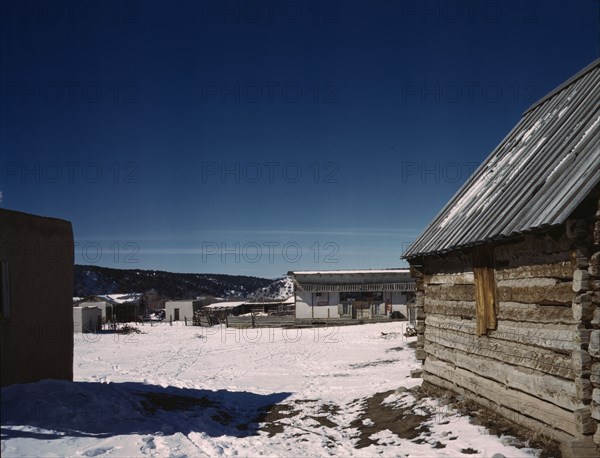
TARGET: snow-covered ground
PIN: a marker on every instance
(190, 391)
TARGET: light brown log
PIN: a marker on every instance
(594, 267)
(445, 307)
(515, 400)
(461, 278)
(595, 411)
(451, 293)
(594, 345)
(560, 293)
(582, 363)
(583, 309)
(580, 257)
(517, 354)
(518, 417)
(517, 311)
(563, 393)
(542, 282)
(581, 281)
(584, 390)
(556, 337)
(584, 421)
(595, 375)
(582, 335)
(439, 323)
(560, 270)
(596, 318)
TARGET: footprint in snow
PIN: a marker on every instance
(96, 451)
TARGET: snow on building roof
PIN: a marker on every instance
(535, 178)
(289, 300)
(349, 272)
(125, 298)
(224, 305)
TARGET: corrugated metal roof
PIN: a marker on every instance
(535, 178)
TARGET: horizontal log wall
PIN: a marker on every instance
(531, 366)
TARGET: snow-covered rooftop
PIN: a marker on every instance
(349, 272)
(289, 300)
(225, 305)
(120, 298)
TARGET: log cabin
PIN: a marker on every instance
(508, 274)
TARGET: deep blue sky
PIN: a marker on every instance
(260, 137)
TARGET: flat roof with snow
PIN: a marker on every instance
(349, 272)
(224, 305)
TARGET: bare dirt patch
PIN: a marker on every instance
(277, 417)
(377, 417)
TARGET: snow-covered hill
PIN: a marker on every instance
(280, 289)
(91, 280)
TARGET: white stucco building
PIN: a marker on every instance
(86, 318)
(181, 310)
(352, 294)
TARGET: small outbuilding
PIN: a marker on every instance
(181, 310)
(122, 308)
(352, 294)
(105, 307)
(86, 318)
(508, 274)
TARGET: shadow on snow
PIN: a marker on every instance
(53, 409)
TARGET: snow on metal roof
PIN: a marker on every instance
(349, 272)
(535, 178)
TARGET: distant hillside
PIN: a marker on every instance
(279, 289)
(90, 280)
